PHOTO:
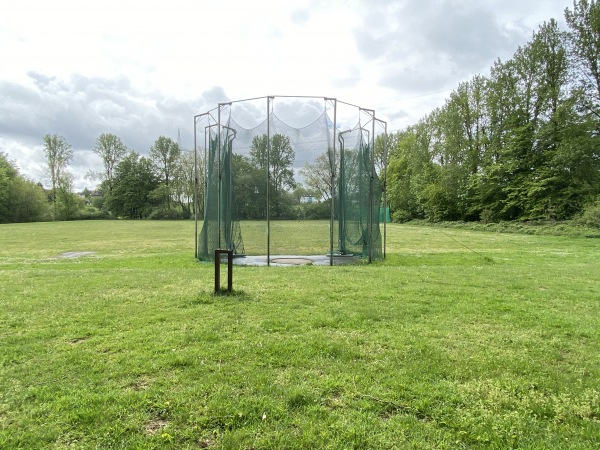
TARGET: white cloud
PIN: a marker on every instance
(144, 68)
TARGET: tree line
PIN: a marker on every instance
(160, 185)
(519, 144)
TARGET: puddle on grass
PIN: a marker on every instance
(73, 255)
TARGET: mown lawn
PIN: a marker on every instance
(460, 339)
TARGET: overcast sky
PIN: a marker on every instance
(140, 69)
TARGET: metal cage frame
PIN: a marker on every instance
(214, 117)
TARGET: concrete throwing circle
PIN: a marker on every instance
(293, 261)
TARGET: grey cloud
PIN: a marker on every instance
(395, 115)
(298, 112)
(213, 96)
(300, 16)
(294, 111)
(468, 35)
(81, 108)
(251, 113)
(350, 78)
(420, 78)
(428, 45)
(383, 29)
(372, 47)
(82, 161)
(40, 79)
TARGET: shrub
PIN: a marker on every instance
(98, 202)
(591, 216)
(91, 213)
(401, 216)
(166, 214)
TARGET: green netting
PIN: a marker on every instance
(286, 187)
(358, 197)
(221, 226)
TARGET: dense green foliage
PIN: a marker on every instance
(250, 177)
(21, 200)
(459, 339)
(521, 143)
(58, 153)
(112, 151)
(165, 154)
(134, 184)
(160, 186)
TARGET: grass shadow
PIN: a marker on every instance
(209, 298)
(234, 294)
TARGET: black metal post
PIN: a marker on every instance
(218, 253)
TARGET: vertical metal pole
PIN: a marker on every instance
(207, 129)
(342, 194)
(268, 181)
(332, 218)
(230, 244)
(230, 270)
(217, 270)
(195, 192)
(372, 186)
(219, 175)
(385, 206)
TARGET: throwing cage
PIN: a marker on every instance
(285, 177)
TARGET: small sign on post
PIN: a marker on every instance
(218, 253)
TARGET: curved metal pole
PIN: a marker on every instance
(206, 157)
(229, 213)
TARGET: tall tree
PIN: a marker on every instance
(275, 158)
(412, 171)
(134, 182)
(548, 196)
(165, 153)
(318, 177)
(58, 153)
(249, 188)
(584, 25)
(21, 200)
(112, 151)
(278, 159)
(67, 202)
(8, 172)
(183, 183)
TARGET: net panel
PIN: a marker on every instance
(221, 225)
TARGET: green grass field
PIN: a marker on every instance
(460, 339)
